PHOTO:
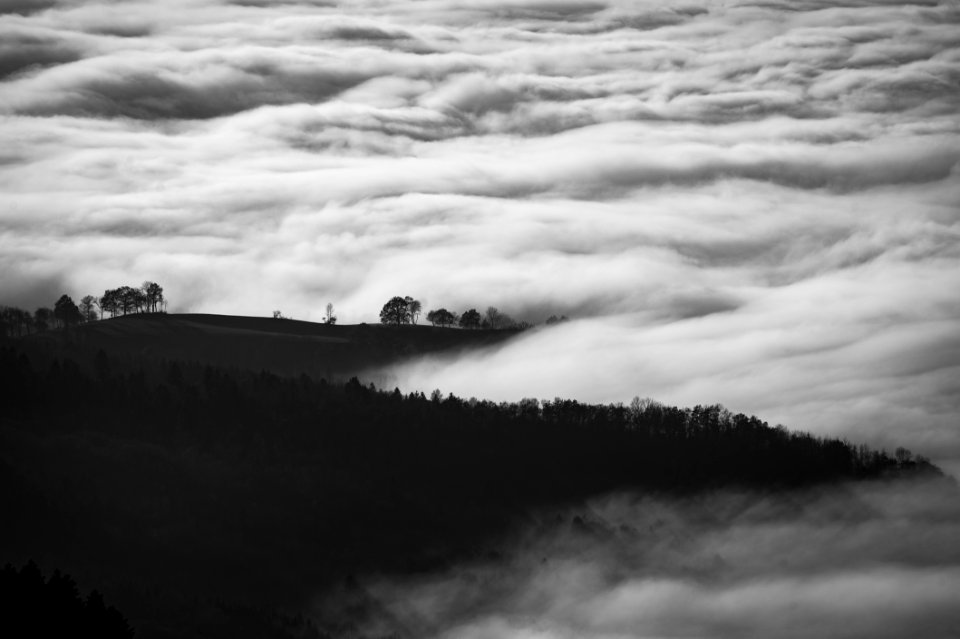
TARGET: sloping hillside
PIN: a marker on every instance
(282, 346)
(209, 502)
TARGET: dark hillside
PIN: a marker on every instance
(281, 346)
(191, 493)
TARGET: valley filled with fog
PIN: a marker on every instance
(879, 560)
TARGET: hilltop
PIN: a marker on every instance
(281, 346)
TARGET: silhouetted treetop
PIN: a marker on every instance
(441, 317)
(329, 317)
(153, 293)
(124, 300)
(396, 311)
(16, 322)
(497, 320)
(413, 307)
(88, 306)
(470, 319)
(36, 607)
(66, 311)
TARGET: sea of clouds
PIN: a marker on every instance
(754, 203)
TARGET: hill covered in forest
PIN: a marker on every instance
(225, 497)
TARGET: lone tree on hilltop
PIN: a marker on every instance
(470, 319)
(441, 317)
(330, 318)
(396, 311)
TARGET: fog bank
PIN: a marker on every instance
(866, 561)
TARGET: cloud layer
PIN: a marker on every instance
(869, 561)
(748, 203)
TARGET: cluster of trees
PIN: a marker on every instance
(54, 607)
(492, 319)
(406, 310)
(148, 298)
(400, 310)
(17, 322)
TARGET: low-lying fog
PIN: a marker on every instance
(876, 560)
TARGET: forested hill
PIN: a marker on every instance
(168, 484)
(282, 346)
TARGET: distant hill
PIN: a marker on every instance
(281, 346)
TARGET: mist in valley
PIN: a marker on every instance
(869, 560)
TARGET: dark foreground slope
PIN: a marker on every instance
(198, 499)
(281, 346)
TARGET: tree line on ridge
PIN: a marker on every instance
(123, 300)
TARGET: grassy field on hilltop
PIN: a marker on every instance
(281, 346)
